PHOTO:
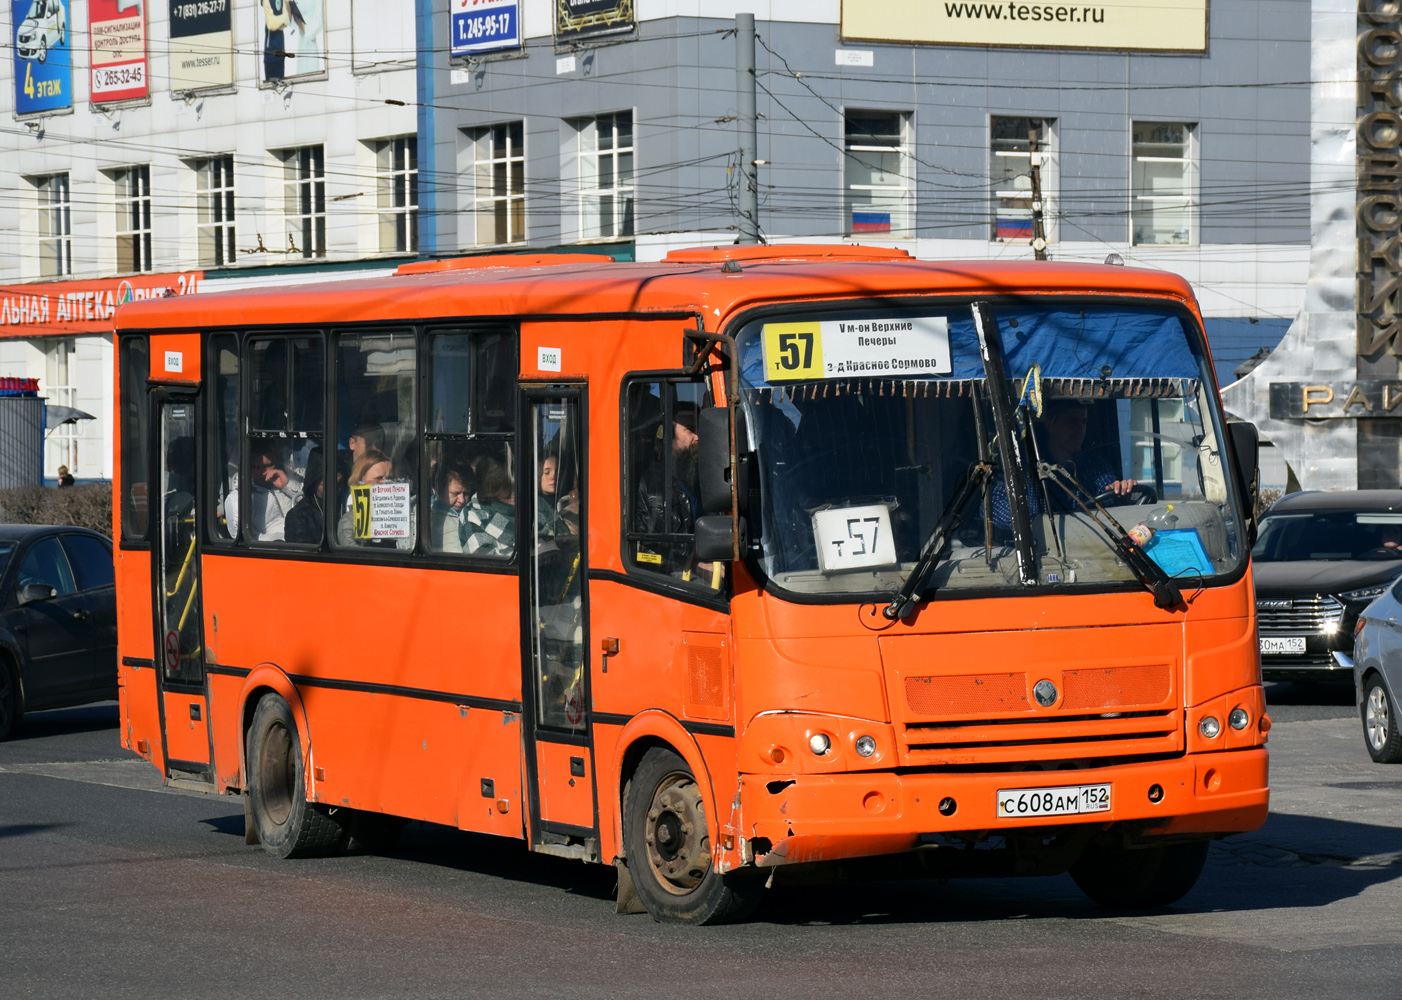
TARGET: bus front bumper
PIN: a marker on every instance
(800, 819)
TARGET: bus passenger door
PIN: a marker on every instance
(180, 655)
(550, 540)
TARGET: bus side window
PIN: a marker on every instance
(664, 491)
(286, 377)
(468, 443)
(136, 422)
(224, 428)
(376, 458)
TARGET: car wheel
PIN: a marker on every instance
(288, 825)
(669, 849)
(43, 49)
(9, 701)
(1139, 879)
(1380, 724)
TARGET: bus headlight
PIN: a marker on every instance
(1209, 727)
(1239, 719)
(866, 746)
(819, 743)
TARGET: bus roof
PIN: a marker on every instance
(712, 281)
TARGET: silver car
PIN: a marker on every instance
(1377, 674)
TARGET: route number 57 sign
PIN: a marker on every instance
(854, 537)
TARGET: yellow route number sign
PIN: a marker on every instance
(793, 351)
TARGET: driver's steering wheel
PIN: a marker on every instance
(1139, 495)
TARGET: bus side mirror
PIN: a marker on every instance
(1246, 446)
(715, 537)
(713, 459)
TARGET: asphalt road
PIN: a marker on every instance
(112, 886)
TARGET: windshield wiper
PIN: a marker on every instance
(903, 604)
(1150, 574)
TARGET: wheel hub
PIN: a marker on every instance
(1376, 718)
(678, 849)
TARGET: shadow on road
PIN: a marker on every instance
(1293, 862)
(67, 721)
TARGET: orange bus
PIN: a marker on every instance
(756, 562)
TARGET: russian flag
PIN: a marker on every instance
(1014, 229)
(871, 222)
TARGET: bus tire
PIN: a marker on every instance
(669, 849)
(1139, 879)
(288, 825)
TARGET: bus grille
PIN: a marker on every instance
(1043, 737)
(1299, 615)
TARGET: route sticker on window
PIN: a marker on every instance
(912, 345)
(382, 510)
(854, 537)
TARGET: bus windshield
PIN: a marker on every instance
(866, 422)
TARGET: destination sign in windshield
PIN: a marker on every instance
(816, 349)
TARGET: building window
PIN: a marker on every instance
(61, 443)
(605, 175)
(133, 219)
(304, 199)
(1023, 155)
(877, 173)
(499, 171)
(1164, 183)
(214, 183)
(397, 181)
(55, 226)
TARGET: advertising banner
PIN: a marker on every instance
(1146, 25)
(117, 47)
(201, 45)
(54, 307)
(575, 19)
(484, 26)
(43, 56)
(292, 35)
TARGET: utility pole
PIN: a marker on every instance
(749, 136)
(1039, 229)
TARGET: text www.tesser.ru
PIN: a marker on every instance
(1026, 12)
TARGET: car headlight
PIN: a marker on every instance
(1365, 593)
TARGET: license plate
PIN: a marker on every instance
(1014, 803)
(1282, 644)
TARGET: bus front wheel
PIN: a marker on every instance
(669, 849)
(288, 825)
(1139, 879)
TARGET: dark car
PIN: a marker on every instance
(1319, 560)
(58, 620)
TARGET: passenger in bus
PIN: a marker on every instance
(276, 489)
(491, 515)
(366, 436)
(1061, 437)
(373, 466)
(304, 522)
(555, 515)
(447, 515)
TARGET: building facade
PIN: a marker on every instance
(1182, 152)
(270, 141)
(154, 148)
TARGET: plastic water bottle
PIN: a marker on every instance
(1160, 520)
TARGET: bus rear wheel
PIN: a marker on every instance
(1139, 879)
(288, 825)
(669, 849)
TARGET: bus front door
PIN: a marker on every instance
(550, 497)
(180, 655)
